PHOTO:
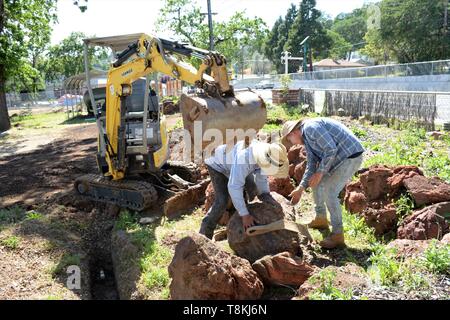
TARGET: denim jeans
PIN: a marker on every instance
(328, 190)
(221, 198)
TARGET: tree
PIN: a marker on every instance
(351, 26)
(277, 39)
(185, 20)
(66, 59)
(307, 23)
(24, 26)
(339, 46)
(413, 30)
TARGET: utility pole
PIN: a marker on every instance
(285, 57)
(210, 25)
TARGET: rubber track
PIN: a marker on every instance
(146, 190)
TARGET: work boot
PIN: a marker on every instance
(319, 223)
(334, 240)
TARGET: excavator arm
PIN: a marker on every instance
(146, 56)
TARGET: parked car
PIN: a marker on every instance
(265, 84)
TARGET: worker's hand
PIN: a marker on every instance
(315, 179)
(248, 221)
(296, 195)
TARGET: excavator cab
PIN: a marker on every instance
(133, 142)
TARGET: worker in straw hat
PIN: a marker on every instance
(334, 154)
(235, 168)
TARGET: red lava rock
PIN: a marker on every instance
(296, 153)
(283, 268)
(299, 171)
(409, 248)
(427, 190)
(282, 186)
(424, 224)
(291, 170)
(399, 174)
(209, 202)
(382, 219)
(209, 197)
(374, 182)
(202, 270)
(446, 239)
(354, 199)
(373, 195)
(270, 208)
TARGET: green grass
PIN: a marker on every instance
(359, 132)
(358, 233)
(154, 257)
(11, 242)
(436, 258)
(404, 206)
(278, 114)
(65, 261)
(327, 290)
(412, 147)
(39, 121)
(33, 215)
(12, 215)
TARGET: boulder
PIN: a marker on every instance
(446, 239)
(201, 270)
(426, 191)
(374, 182)
(282, 186)
(399, 174)
(296, 154)
(406, 248)
(355, 200)
(383, 219)
(424, 224)
(270, 208)
(283, 268)
(299, 171)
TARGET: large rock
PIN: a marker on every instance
(355, 200)
(406, 248)
(273, 207)
(283, 268)
(374, 182)
(383, 219)
(297, 162)
(424, 224)
(282, 186)
(427, 190)
(202, 270)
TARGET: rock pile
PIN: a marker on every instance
(374, 194)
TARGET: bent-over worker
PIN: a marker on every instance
(334, 154)
(239, 168)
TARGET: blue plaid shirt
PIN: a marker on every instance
(328, 143)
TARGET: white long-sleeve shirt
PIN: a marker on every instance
(237, 165)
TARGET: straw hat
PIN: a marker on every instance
(287, 128)
(271, 158)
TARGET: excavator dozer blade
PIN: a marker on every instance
(234, 117)
(183, 200)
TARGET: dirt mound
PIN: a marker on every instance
(284, 269)
(270, 208)
(202, 270)
(425, 224)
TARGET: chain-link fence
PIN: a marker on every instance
(429, 68)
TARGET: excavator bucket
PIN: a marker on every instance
(222, 120)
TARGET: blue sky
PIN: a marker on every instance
(113, 17)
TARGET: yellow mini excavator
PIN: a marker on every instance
(133, 144)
